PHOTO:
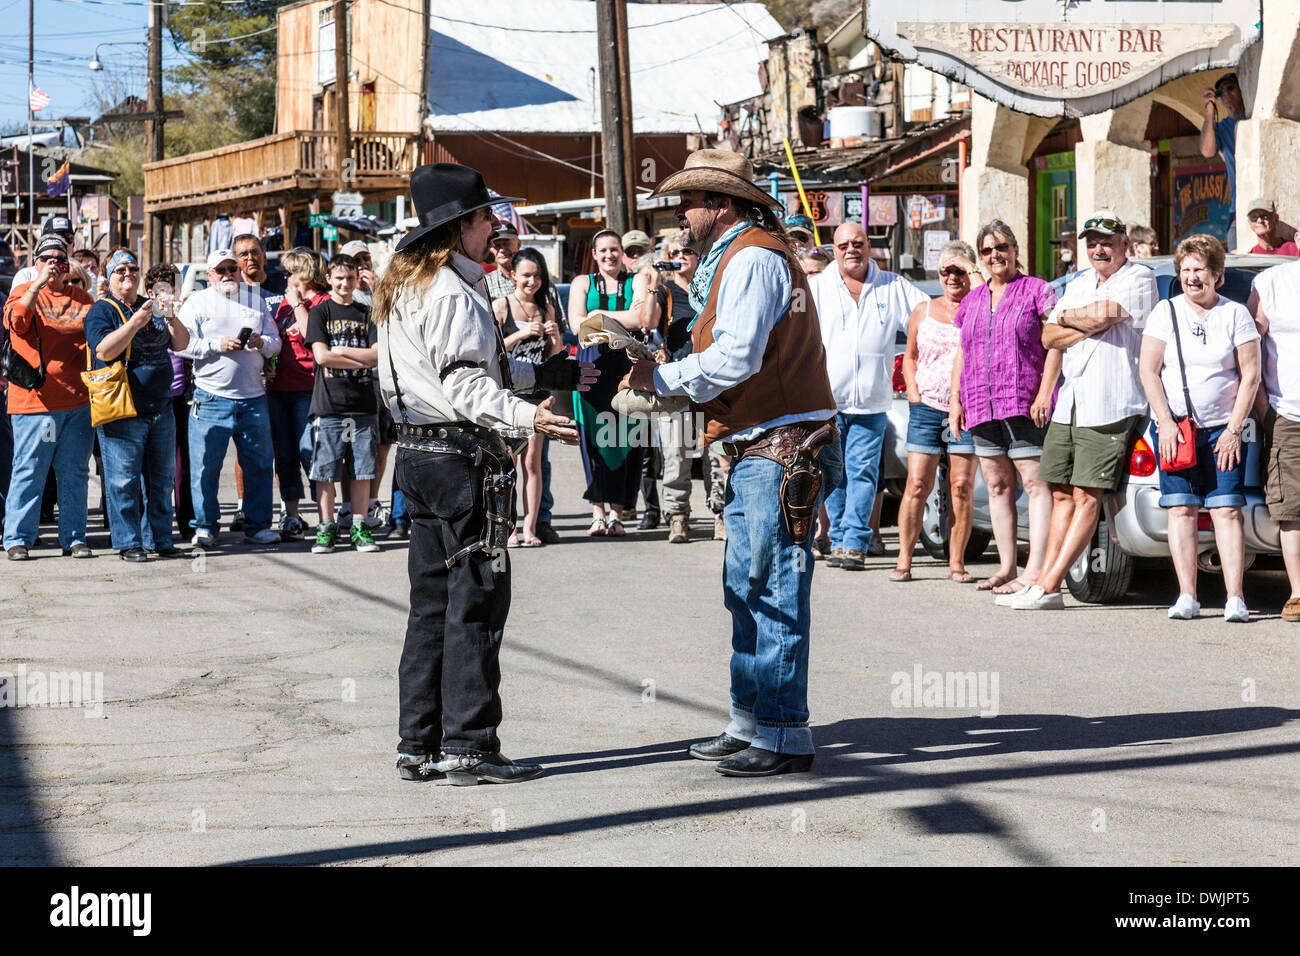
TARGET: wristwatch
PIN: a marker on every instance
(1232, 431)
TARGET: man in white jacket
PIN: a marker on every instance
(862, 310)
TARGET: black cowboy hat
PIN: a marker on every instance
(442, 192)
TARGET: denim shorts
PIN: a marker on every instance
(1202, 485)
(928, 434)
(1015, 437)
(344, 447)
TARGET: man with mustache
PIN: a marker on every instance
(230, 397)
(861, 308)
(1098, 324)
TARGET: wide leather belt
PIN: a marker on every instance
(462, 438)
(783, 435)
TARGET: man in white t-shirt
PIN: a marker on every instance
(862, 309)
(1275, 304)
(1098, 324)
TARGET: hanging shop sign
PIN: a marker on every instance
(924, 210)
(831, 207)
(1073, 58)
(1202, 201)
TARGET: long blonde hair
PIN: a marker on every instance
(412, 269)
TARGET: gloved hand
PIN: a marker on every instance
(559, 373)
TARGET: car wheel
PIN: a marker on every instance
(934, 525)
(1103, 573)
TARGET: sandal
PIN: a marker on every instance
(614, 528)
(961, 577)
(597, 529)
(1014, 586)
(988, 584)
(513, 541)
(900, 575)
(531, 543)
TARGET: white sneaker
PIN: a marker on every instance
(203, 539)
(1034, 598)
(1186, 608)
(1234, 612)
(265, 536)
(1004, 600)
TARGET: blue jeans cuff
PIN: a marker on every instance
(742, 724)
(783, 738)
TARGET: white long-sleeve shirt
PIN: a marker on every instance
(210, 316)
(448, 326)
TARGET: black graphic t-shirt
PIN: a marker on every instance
(342, 391)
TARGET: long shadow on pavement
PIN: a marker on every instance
(856, 778)
(23, 840)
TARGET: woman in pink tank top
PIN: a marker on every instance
(933, 343)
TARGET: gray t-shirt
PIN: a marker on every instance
(210, 316)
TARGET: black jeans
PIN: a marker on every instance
(449, 676)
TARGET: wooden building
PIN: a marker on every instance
(507, 88)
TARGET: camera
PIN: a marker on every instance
(667, 266)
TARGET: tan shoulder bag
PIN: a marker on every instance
(109, 387)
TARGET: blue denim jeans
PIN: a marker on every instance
(849, 506)
(291, 438)
(6, 451)
(767, 587)
(548, 500)
(400, 515)
(41, 439)
(213, 422)
(139, 474)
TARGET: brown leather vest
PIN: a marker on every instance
(793, 376)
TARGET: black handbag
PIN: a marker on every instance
(17, 370)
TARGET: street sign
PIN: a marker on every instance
(348, 205)
(317, 219)
(330, 232)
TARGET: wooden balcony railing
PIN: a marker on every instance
(282, 163)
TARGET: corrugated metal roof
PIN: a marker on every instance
(503, 66)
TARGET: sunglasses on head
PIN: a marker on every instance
(1002, 247)
(955, 272)
(1104, 225)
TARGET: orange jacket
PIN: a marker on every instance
(59, 319)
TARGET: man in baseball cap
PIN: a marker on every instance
(1068, 254)
(1264, 223)
(635, 244)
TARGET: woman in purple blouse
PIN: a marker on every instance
(1004, 383)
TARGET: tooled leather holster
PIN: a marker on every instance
(794, 448)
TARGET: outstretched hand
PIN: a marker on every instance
(554, 426)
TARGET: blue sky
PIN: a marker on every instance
(67, 32)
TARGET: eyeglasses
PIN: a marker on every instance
(955, 272)
(1003, 247)
(122, 271)
(51, 258)
(227, 270)
(634, 251)
(1260, 216)
(1104, 225)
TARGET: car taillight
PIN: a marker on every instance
(900, 383)
(1203, 522)
(1142, 462)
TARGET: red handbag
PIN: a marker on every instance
(1185, 452)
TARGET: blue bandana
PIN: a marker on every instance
(703, 281)
(117, 259)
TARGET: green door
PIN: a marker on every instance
(1055, 195)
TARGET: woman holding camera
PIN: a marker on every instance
(140, 450)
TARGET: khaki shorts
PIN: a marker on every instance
(1282, 489)
(1088, 457)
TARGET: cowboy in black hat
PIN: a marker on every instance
(447, 379)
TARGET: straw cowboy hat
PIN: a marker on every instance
(717, 171)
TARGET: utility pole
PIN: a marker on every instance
(31, 165)
(341, 91)
(153, 229)
(615, 113)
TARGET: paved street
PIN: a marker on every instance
(251, 703)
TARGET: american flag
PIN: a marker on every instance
(36, 99)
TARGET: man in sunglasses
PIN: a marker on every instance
(1220, 136)
(1097, 324)
(1265, 225)
(232, 333)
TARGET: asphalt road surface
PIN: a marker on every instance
(249, 709)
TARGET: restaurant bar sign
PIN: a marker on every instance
(1065, 57)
